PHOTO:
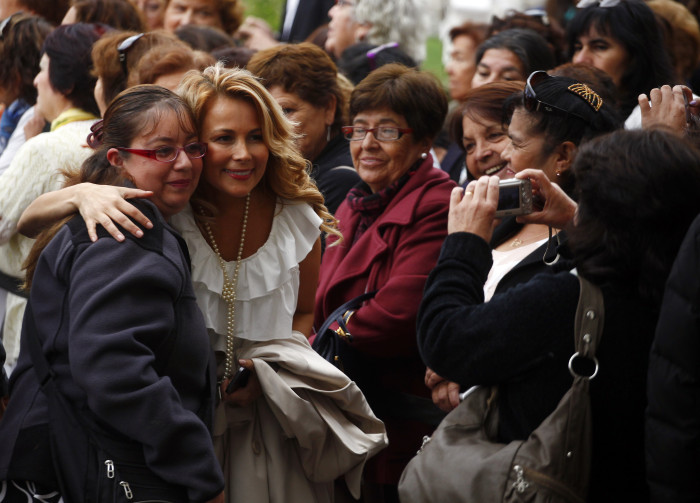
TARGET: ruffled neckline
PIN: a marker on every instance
(267, 279)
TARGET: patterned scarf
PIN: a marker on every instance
(370, 205)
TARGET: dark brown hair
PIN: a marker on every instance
(305, 70)
(52, 10)
(119, 14)
(106, 58)
(483, 103)
(414, 94)
(20, 52)
(638, 194)
(166, 59)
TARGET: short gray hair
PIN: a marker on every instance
(399, 21)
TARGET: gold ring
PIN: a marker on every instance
(469, 192)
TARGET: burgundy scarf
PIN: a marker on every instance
(370, 205)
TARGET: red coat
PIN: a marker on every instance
(394, 256)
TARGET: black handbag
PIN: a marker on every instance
(327, 342)
(385, 403)
(463, 462)
(91, 465)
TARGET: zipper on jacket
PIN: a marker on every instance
(110, 468)
(127, 490)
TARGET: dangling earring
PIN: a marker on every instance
(424, 155)
(328, 133)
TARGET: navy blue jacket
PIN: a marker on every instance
(120, 327)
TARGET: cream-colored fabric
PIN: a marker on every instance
(268, 280)
(35, 169)
(311, 426)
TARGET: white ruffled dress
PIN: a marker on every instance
(313, 424)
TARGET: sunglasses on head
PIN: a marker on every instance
(598, 3)
(531, 101)
(124, 47)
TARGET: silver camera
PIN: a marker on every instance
(514, 197)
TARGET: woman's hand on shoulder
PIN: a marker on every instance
(106, 205)
(557, 209)
(98, 204)
(473, 209)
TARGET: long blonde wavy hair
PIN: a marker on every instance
(287, 173)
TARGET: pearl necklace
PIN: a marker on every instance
(228, 292)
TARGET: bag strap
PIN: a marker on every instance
(337, 315)
(588, 328)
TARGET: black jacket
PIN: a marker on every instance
(522, 340)
(121, 330)
(334, 173)
(310, 15)
(673, 414)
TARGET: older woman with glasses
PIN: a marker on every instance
(393, 224)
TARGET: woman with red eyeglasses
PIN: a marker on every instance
(118, 328)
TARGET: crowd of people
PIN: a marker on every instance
(186, 196)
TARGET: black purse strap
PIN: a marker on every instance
(337, 315)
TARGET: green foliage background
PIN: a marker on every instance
(271, 11)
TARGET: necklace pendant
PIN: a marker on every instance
(516, 242)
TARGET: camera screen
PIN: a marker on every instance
(509, 197)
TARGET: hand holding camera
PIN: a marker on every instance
(670, 107)
(551, 205)
(473, 209)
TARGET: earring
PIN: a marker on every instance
(558, 172)
(424, 155)
(328, 133)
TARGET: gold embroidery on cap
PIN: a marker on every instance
(587, 94)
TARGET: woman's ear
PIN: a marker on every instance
(115, 158)
(566, 152)
(361, 32)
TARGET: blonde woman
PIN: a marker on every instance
(253, 230)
